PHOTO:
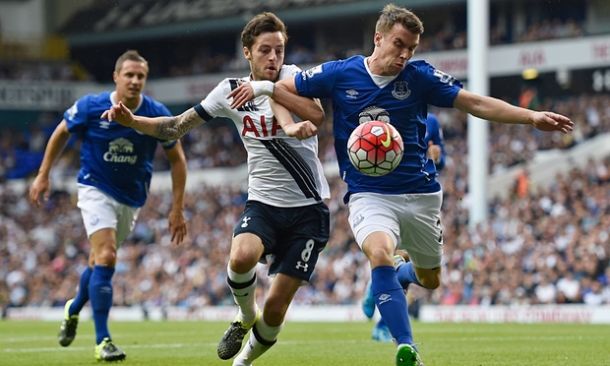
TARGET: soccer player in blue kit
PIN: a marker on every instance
(436, 156)
(113, 181)
(401, 209)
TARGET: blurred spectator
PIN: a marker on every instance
(557, 251)
(21, 150)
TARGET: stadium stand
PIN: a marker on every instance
(561, 259)
(21, 150)
(544, 242)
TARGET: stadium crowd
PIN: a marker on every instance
(21, 150)
(449, 34)
(544, 245)
(540, 245)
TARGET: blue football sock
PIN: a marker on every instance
(100, 293)
(381, 323)
(406, 275)
(82, 296)
(391, 303)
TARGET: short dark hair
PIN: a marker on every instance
(131, 55)
(262, 23)
(392, 14)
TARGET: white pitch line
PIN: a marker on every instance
(26, 339)
(161, 345)
(81, 348)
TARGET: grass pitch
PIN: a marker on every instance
(317, 344)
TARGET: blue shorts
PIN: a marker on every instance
(293, 237)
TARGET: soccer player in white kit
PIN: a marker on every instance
(402, 208)
(285, 219)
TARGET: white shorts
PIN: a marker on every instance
(101, 211)
(412, 220)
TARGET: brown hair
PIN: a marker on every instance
(131, 55)
(262, 23)
(392, 14)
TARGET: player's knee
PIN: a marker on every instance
(106, 256)
(242, 263)
(379, 256)
(430, 282)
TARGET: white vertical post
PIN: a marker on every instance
(478, 129)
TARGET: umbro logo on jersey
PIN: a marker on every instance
(351, 94)
(383, 298)
(105, 124)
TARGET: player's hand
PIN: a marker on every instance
(549, 121)
(119, 113)
(40, 188)
(241, 95)
(301, 130)
(434, 152)
(177, 226)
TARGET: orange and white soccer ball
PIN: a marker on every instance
(375, 148)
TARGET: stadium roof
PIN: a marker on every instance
(110, 21)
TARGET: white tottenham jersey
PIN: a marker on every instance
(282, 171)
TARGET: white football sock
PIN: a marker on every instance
(262, 337)
(244, 297)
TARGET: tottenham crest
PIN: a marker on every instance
(401, 90)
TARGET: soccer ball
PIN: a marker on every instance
(375, 148)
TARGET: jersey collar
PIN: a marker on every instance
(380, 80)
(114, 101)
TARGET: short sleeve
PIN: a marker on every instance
(289, 71)
(215, 103)
(317, 82)
(76, 116)
(441, 89)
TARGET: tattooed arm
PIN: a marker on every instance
(165, 128)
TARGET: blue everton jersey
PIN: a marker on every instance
(116, 159)
(402, 101)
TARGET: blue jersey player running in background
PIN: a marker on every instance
(115, 174)
(401, 209)
(436, 156)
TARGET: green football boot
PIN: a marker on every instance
(407, 355)
(107, 351)
(67, 330)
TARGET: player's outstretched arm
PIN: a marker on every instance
(302, 130)
(166, 128)
(493, 109)
(283, 92)
(41, 187)
(177, 223)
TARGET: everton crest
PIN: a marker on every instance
(401, 90)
